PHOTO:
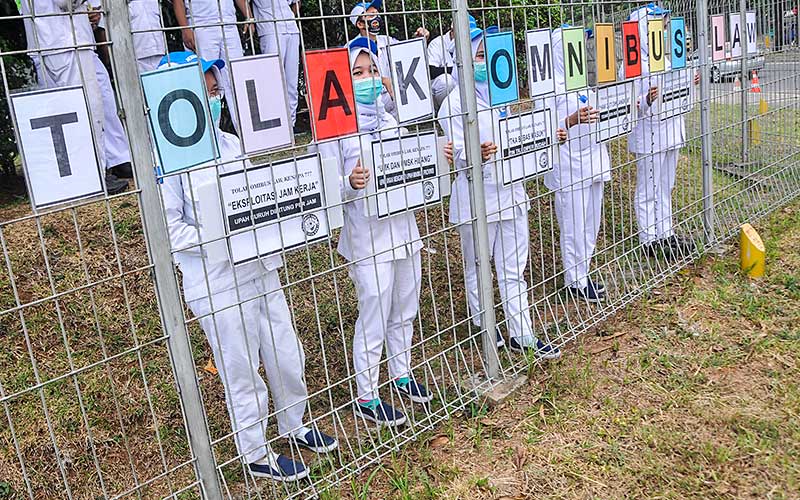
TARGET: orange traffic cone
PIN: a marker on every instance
(755, 87)
(737, 84)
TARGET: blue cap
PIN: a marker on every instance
(361, 7)
(362, 42)
(491, 30)
(655, 10)
(187, 57)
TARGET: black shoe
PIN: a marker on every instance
(588, 293)
(123, 170)
(681, 245)
(542, 350)
(601, 288)
(383, 414)
(115, 185)
(414, 391)
(660, 248)
(279, 468)
(500, 341)
(316, 441)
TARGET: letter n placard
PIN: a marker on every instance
(330, 89)
(262, 102)
(58, 153)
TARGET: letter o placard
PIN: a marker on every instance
(501, 65)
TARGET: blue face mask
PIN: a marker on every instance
(367, 90)
(215, 106)
(480, 71)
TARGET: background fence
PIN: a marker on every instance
(104, 386)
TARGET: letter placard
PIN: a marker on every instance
(411, 80)
(678, 42)
(736, 35)
(606, 53)
(616, 106)
(502, 67)
(717, 38)
(655, 44)
(330, 88)
(262, 103)
(58, 153)
(752, 34)
(677, 93)
(405, 174)
(574, 58)
(293, 191)
(540, 63)
(632, 49)
(526, 145)
(179, 117)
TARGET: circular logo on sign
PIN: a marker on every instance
(625, 123)
(428, 189)
(310, 224)
(543, 159)
(685, 103)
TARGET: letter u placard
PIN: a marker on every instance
(501, 63)
(179, 117)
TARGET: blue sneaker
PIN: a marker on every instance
(413, 390)
(381, 413)
(589, 293)
(278, 468)
(315, 440)
(542, 350)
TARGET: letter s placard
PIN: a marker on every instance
(179, 117)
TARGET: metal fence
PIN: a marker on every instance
(109, 384)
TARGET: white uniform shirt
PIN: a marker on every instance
(56, 32)
(393, 238)
(651, 134)
(180, 204)
(208, 11)
(502, 202)
(146, 15)
(271, 10)
(440, 51)
(582, 161)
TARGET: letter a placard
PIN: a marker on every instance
(736, 35)
(631, 45)
(540, 62)
(411, 80)
(574, 58)
(606, 55)
(179, 117)
(330, 88)
(58, 153)
(262, 102)
(501, 64)
(678, 42)
(655, 45)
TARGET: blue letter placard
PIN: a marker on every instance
(501, 64)
(678, 42)
(176, 98)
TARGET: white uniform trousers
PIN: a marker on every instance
(290, 58)
(243, 337)
(114, 138)
(148, 63)
(579, 213)
(508, 243)
(388, 301)
(216, 42)
(655, 178)
(65, 69)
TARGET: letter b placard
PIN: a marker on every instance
(501, 64)
(178, 113)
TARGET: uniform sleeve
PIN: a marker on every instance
(452, 123)
(182, 236)
(334, 149)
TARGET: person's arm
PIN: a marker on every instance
(182, 236)
(244, 8)
(179, 7)
(295, 6)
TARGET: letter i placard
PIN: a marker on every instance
(330, 90)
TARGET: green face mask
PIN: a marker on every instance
(367, 90)
(215, 106)
(480, 71)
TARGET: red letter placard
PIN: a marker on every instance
(330, 89)
(632, 48)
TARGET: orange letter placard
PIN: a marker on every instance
(330, 89)
(606, 55)
(632, 49)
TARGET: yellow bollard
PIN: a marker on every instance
(751, 252)
(762, 106)
(766, 41)
(754, 131)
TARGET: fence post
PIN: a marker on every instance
(158, 246)
(745, 82)
(472, 144)
(705, 122)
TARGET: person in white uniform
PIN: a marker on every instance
(577, 181)
(384, 255)
(441, 52)
(281, 35)
(507, 213)
(211, 41)
(656, 142)
(243, 312)
(51, 40)
(149, 46)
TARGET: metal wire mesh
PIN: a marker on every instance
(126, 376)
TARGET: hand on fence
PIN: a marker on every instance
(652, 95)
(248, 28)
(188, 39)
(448, 152)
(422, 32)
(488, 149)
(359, 176)
(697, 78)
(562, 135)
(586, 114)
